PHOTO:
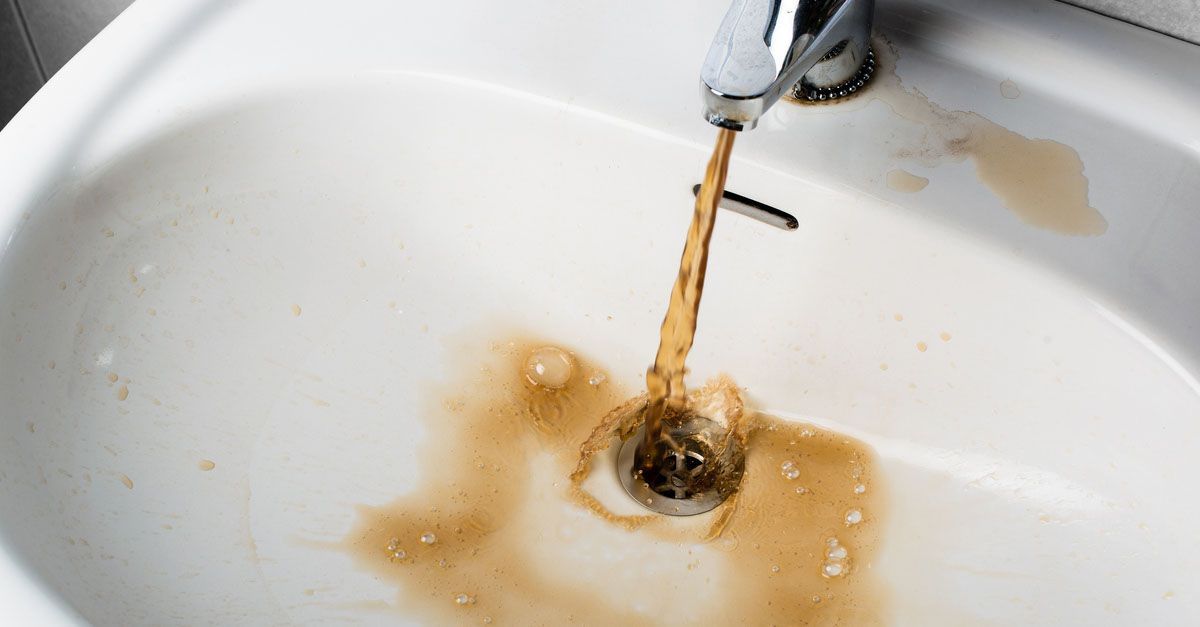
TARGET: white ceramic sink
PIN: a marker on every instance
(278, 228)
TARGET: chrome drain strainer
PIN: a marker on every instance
(694, 478)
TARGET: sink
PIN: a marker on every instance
(244, 268)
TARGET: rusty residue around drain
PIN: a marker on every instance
(505, 528)
(1040, 180)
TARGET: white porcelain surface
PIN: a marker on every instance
(239, 158)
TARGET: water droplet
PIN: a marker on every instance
(860, 488)
(832, 569)
(775, 568)
(853, 517)
(837, 553)
(549, 367)
(428, 538)
(463, 599)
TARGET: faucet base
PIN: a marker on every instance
(808, 92)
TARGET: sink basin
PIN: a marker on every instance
(243, 269)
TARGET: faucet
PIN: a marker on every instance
(819, 49)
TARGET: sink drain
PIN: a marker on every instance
(693, 477)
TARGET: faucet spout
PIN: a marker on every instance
(766, 47)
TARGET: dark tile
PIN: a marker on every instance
(60, 28)
(19, 76)
(1177, 18)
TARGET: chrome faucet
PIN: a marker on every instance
(819, 49)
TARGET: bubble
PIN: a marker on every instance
(860, 488)
(463, 599)
(832, 542)
(837, 553)
(393, 544)
(807, 433)
(549, 367)
(775, 568)
(399, 554)
(789, 470)
(816, 598)
(428, 538)
(487, 620)
(801, 490)
(726, 543)
(832, 569)
(787, 465)
(853, 517)
(792, 473)
(597, 378)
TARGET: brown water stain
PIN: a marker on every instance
(905, 181)
(1041, 181)
(485, 536)
(1009, 89)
